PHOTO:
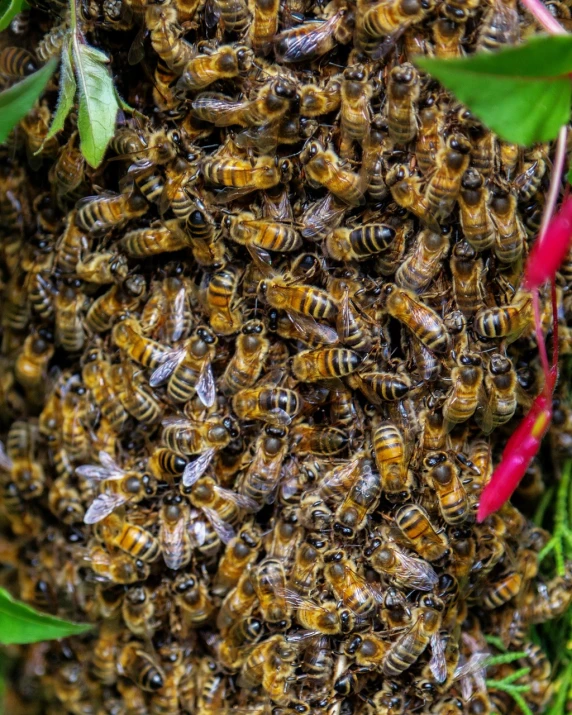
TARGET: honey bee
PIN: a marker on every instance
(220, 300)
(270, 104)
(403, 95)
(444, 185)
(500, 26)
(510, 235)
(415, 524)
(406, 650)
(189, 370)
(317, 100)
(312, 39)
(406, 191)
(174, 519)
(238, 603)
(422, 321)
(65, 502)
(269, 582)
(104, 657)
(390, 454)
(119, 487)
(324, 364)
(424, 261)
(406, 571)
(133, 540)
(240, 552)
(245, 366)
(51, 43)
(323, 167)
(234, 15)
(463, 396)
(263, 473)
(502, 591)
(508, 322)
(67, 173)
(96, 377)
(19, 461)
(31, 366)
(529, 180)
(135, 664)
(310, 301)
(134, 395)
(467, 271)
(69, 305)
(443, 475)
(382, 19)
(309, 439)
(264, 26)
(261, 233)
(448, 37)
(359, 244)
(497, 402)
(16, 62)
(224, 62)
(127, 336)
(98, 215)
(275, 405)
(355, 113)
(357, 595)
(138, 611)
(118, 568)
(142, 242)
(361, 500)
(162, 23)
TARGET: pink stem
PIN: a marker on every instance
(555, 182)
(544, 17)
(540, 340)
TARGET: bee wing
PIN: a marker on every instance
(224, 531)
(416, 573)
(339, 474)
(344, 316)
(205, 387)
(473, 665)
(307, 325)
(195, 469)
(294, 46)
(103, 505)
(223, 110)
(277, 416)
(172, 361)
(387, 44)
(437, 663)
(198, 532)
(107, 461)
(239, 499)
(362, 588)
(5, 461)
(171, 539)
(179, 313)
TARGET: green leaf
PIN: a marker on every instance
(97, 102)
(67, 93)
(21, 624)
(569, 176)
(17, 101)
(522, 93)
(8, 11)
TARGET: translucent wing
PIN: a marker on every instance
(472, 666)
(296, 46)
(167, 367)
(103, 505)
(278, 417)
(172, 540)
(5, 462)
(205, 387)
(341, 474)
(198, 531)
(107, 461)
(416, 573)
(308, 326)
(216, 108)
(179, 315)
(195, 470)
(360, 588)
(238, 499)
(224, 531)
(437, 663)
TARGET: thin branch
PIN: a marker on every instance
(544, 17)
(555, 179)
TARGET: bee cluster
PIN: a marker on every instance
(252, 390)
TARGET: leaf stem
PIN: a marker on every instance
(544, 17)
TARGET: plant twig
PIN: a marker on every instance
(544, 17)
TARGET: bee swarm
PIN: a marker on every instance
(253, 388)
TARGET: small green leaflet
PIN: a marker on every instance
(67, 93)
(8, 11)
(16, 101)
(21, 624)
(522, 93)
(97, 101)
(569, 176)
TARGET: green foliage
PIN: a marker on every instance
(569, 176)
(522, 93)
(21, 624)
(67, 93)
(8, 11)
(16, 101)
(561, 541)
(97, 102)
